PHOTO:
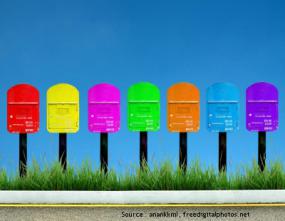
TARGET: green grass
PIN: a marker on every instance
(164, 177)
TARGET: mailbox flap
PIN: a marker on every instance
(183, 108)
(103, 108)
(143, 107)
(62, 109)
(23, 109)
(262, 107)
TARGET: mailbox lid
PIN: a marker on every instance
(262, 107)
(183, 108)
(23, 109)
(143, 92)
(223, 92)
(223, 107)
(25, 93)
(262, 92)
(104, 93)
(183, 92)
(104, 108)
(143, 107)
(62, 109)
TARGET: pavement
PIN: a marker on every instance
(70, 213)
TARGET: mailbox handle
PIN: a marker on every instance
(183, 102)
(70, 102)
(144, 101)
(224, 101)
(262, 101)
(22, 103)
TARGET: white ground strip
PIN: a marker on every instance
(142, 197)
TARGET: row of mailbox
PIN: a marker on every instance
(183, 109)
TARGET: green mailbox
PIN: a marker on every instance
(143, 107)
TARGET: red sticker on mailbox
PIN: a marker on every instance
(23, 109)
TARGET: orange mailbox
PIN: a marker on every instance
(183, 105)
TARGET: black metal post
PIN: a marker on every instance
(143, 149)
(222, 151)
(261, 150)
(62, 150)
(183, 151)
(23, 154)
(104, 152)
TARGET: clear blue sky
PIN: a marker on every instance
(124, 42)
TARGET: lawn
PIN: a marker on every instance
(164, 177)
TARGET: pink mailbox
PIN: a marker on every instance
(103, 108)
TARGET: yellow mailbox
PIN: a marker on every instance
(62, 109)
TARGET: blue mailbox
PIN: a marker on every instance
(223, 107)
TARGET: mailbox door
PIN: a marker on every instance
(104, 117)
(183, 117)
(262, 116)
(222, 117)
(63, 118)
(23, 118)
(143, 116)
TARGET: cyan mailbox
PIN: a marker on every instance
(262, 107)
(223, 107)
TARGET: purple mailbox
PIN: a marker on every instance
(104, 108)
(262, 114)
(262, 107)
(104, 116)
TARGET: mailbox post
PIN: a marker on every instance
(23, 117)
(223, 115)
(104, 116)
(183, 115)
(62, 115)
(262, 114)
(143, 113)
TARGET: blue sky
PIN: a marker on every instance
(123, 42)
